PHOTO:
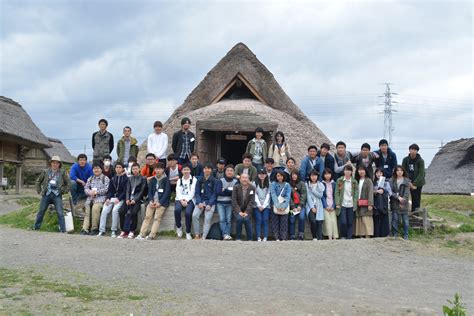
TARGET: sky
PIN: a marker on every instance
(70, 63)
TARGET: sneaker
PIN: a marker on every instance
(113, 234)
(149, 238)
(139, 237)
(179, 232)
(188, 236)
(84, 232)
(315, 239)
(131, 235)
(300, 237)
(278, 240)
(101, 234)
(259, 239)
(122, 235)
(94, 232)
(265, 239)
(228, 237)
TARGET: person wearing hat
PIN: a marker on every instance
(219, 171)
(183, 142)
(257, 147)
(52, 184)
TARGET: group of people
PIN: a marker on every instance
(341, 195)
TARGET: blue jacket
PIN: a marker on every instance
(117, 187)
(80, 173)
(306, 167)
(389, 164)
(325, 203)
(164, 186)
(276, 189)
(206, 191)
(328, 163)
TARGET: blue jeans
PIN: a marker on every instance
(58, 204)
(346, 220)
(248, 227)
(225, 217)
(77, 192)
(396, 220)
(261, 218)
(301, 222)
(188, 214)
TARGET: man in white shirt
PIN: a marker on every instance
(157, 143)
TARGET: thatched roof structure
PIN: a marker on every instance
(58, 148)
(209, 105)
(17, 126)
(452, 169)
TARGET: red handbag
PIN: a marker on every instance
(362, 202)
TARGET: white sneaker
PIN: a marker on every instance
(259, 239)
(315, 239)
(265, 239)
(101, 234)
(148, 238)
(179, 232)
(113, 234)
(228, 237)
(139, 237)
(131, 235)
(188, 236)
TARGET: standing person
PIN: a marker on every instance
(365, 158)
(298, 199)
(257, 148)
(185, 191)
(96, 190)
(115, 200)
(279, 151)
(108, 169)
(342, 158)
(311, 162)
(219, 172)
(133, 200)
(157, 143)
(365, 205)
(183, 142)
(290, 167)
(243, 202)
(224, 189)
(196, 167)
(387, 159)
(205, 201)
(347, 194)
(148, 170)
(173, 171)
(415, 166)
(52, 183)
(329, 203)
(159, 192)
(127, 146)
(315, 207)
(382, 192)
(271, 172)
(326, 157)
(400, 185)
(102, 141)
(79, 173)
(246, 167)
(281, 195)
(262, 204)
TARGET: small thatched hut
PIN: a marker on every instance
(18, 134)
(238, 95)
(38, 159)
(452, 169)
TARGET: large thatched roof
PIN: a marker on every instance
(17, 126)
(58, 148)
(452, 169)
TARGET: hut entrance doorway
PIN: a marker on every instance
(233, 146)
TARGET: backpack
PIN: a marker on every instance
(215, 232)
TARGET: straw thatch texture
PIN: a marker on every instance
(58, 149)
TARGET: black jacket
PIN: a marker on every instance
(177, 142)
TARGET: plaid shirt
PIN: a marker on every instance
(53, 176)
(186, 147)
(101, 183)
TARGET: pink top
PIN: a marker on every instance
(329, 195)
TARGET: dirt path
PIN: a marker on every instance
(342, 277)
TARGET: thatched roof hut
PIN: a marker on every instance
(452, 169)
(38, 159)
(236, 96)
(58, 149)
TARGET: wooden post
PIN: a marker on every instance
(425, 220)
(18, 178)
(1, 171)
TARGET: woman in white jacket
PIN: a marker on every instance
(185, 188)
(262, 205)
(314, 205)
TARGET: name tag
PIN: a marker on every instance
(113, 200)
(202, 190)
(251, 192)
(161, 190)
(192, 140)
(52, 182)
(230, 188)
(385, 166)
(94, 189)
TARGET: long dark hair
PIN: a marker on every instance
(405, 175)
(263, 184)
(361, 167)
(282, 137)
(294, 182)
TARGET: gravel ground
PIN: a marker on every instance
(377, 276)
